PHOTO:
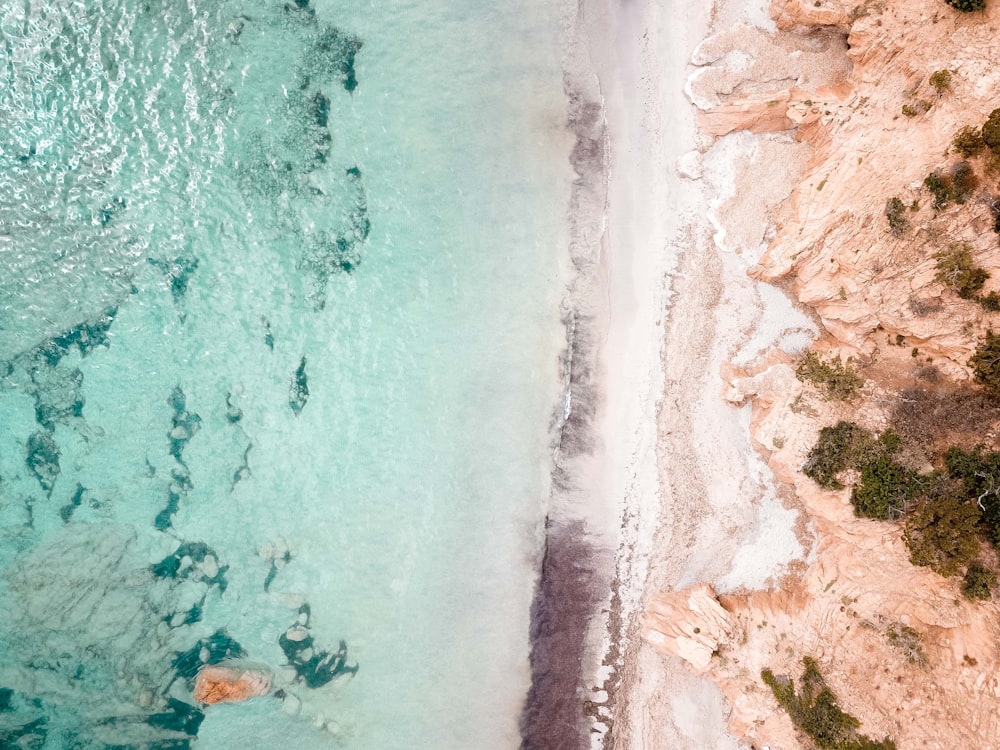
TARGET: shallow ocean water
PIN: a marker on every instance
(279, 330)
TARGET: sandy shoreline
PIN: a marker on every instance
(656, 484)
(694, 501)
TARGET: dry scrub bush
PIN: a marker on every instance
(895, 213)
(957, 271)
(931, 419)
(985, 364)
(968, 141)
(942, 531)
(978, 583)
(839, 380)
(940, 80)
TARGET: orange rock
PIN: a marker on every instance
(216, 684)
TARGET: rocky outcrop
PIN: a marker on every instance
(747, 79)
(901, 648)
(690, 624)
(898, 644)
(230, 684)
(791, 15)
(839, 75)
(837, 250)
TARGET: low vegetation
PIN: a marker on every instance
(895, 213)
(940, 80)
(978, 583)
(991, 131)
(964, 181)
(979, 472)
(967, 6)
(885, 488)
(985, 364)
(955, 184)
(840, 381)
(931, 419)
(839, 448)
(940, 187)
(968, 141)
(957, 271)
(921, 107)
(945, 513)
(907, 642)
(941, 532)
(814, 711)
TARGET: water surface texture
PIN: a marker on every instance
(279, 315)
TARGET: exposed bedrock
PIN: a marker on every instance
(834, 245)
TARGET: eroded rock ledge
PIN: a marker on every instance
(904, 652)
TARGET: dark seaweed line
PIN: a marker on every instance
(573, 586)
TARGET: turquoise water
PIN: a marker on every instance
(279, 322)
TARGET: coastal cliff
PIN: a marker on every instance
(859, 245)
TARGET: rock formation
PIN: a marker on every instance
(230, 684)
(902, 649)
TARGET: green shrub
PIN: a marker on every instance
(840, 381)
(991, 131)
(979, 472)
(990, 302)
(967, 6)
(940, 80)
(912, 110)
(957, 271)
(895, 212)
(940, 187)
(964, 181)
(985, 364)
(941, 532)
(978, 582)
(813, 710)
(968, 141)
(884, 489)
(841, 447)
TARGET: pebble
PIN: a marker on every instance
(296, 634)
(689, 166)
(291, 705)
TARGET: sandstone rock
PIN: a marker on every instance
(792, 14)
(223, 684)
(836, 248)
(897, 643)
(748, 79)
(690, 624)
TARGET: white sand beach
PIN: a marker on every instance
(686, 216)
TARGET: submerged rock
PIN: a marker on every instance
(313, 667)
(42, 458)
(298, 393)
(230, 684)
(215, 649)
